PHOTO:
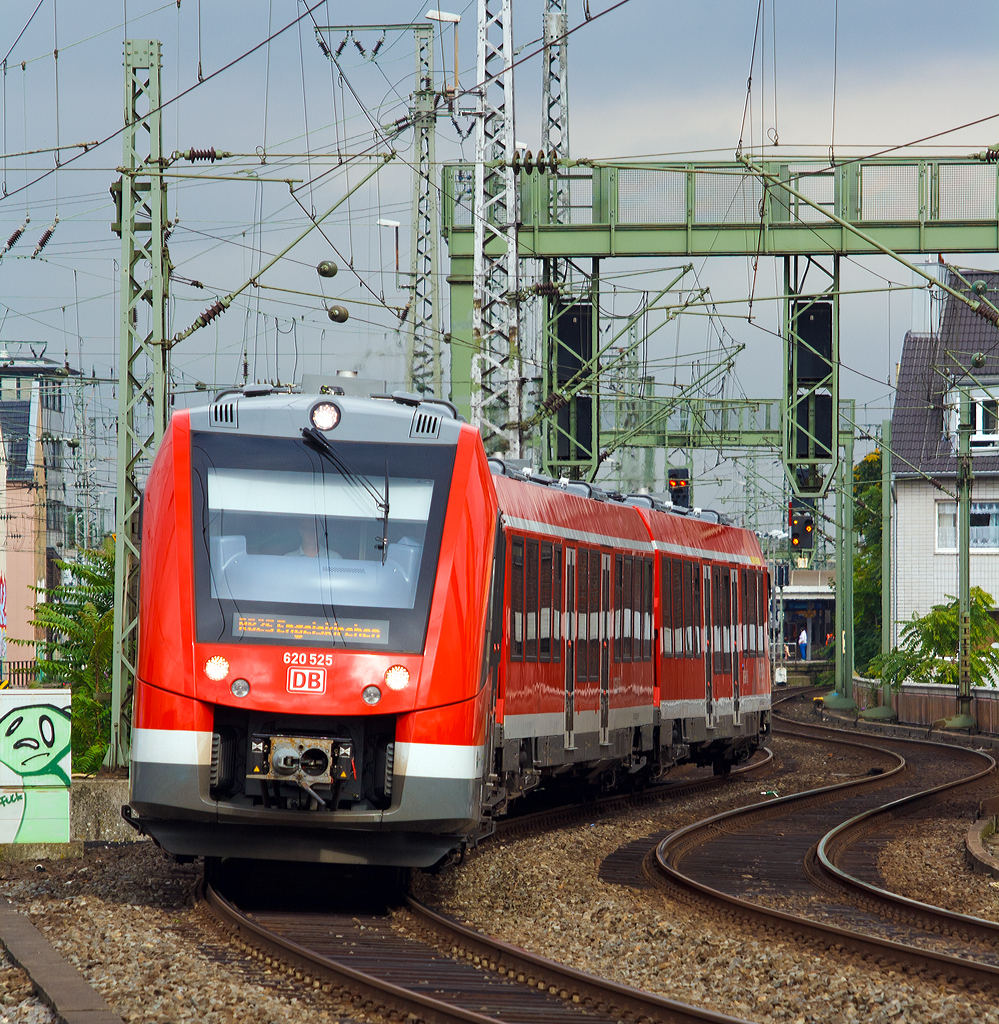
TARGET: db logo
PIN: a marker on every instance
(306, 680)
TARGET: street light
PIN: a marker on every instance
(444, 17)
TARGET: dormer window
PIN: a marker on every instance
(984, 419)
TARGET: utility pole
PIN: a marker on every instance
(843, 696)
(143, 371)
(496, 370)
(423, 362)
(964, 719)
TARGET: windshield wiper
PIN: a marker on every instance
(316, 440)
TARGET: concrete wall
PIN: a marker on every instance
(924, 575)
(95, 811)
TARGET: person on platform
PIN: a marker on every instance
(803, 643)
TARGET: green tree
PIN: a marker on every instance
(927, 649)
(867, 561)
(78, 619)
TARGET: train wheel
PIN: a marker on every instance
(722, 767)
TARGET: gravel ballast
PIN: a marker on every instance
(124, 916)
(543, 893)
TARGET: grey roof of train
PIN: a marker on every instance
(283, 414)
(918, 439)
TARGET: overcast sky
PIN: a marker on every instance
(652, 78)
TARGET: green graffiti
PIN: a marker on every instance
(33, 740)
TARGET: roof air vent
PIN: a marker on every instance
(425, 424)
(223, 414)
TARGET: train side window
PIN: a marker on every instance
(666, 604)
(531, 603)
(557, 603)
(716, 619)
(636, 611)
(545, 605)
(618, 595)
(595, 593)
(678, 609)
(582, 612)
(749, 603)
(517, 600)
(628, 587)
(697, 609)
(744, 610)
(763, 620)
(647, 611)
(726, 619)
(688, 610)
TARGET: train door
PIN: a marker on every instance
(604, 649)
(709, 644)
(570, 647)
(721, 610)
(738, 643)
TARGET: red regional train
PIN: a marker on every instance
(361, 638)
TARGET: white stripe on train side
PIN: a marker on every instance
(171, 746)
(438, 760)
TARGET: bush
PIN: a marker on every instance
(79, 617)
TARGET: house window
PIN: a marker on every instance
(984, 525)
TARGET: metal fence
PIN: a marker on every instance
(20, 674)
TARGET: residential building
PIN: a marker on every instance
(34, 409)
(932, 370)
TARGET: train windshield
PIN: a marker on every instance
(294, 548)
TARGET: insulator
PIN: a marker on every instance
(991, 156)
(46, 235)
(338, 314)
(12, 241)
(377, 47)
(404, 312)
(343, 43)
(322, 45)
(327, 269)
(360, 49)
(201, 154)
(214, 310)
(546, 288)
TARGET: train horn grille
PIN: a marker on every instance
(425, 424)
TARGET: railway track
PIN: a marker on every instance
(806, 864)
(413, 963)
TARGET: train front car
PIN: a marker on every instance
(314, 610)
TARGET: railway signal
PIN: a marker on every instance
(679, 487)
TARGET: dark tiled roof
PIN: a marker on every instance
(14, 423)
(917, 423)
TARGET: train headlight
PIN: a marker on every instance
(371, 695)
(216, 668)
(239, 688)
(397, 677)
(325, 416)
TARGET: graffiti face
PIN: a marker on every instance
(33, 739)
